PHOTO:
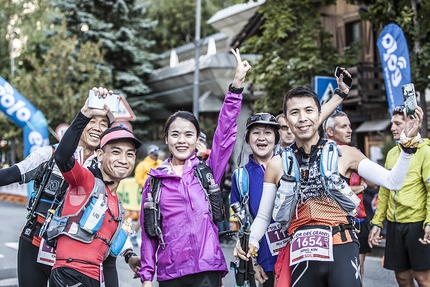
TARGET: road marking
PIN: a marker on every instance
(9, 282)
(13, 245)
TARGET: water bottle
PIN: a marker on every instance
(119, 241)
(92, 219)
(150, 216)
(343, 194)
(127, 225)
(215, 200)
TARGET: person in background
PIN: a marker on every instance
(287, 137)
(202, 148)
(225, 187)
(188, 251)
(141, 173)
(161, 155)
(407, 211)
(338, 129)
(315, 211)
(80, 263)
(33, 268)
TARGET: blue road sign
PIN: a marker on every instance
(324, 87)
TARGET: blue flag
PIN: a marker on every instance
(394, 54)
(24, 114)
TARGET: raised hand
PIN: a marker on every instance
(413, 124)
(90, 112)
(242, 67)
(342, 86)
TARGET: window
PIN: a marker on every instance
(352, 32)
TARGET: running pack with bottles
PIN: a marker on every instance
(287, 194)
(151, 206)
(87, 221)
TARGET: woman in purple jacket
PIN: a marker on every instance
(192, 254)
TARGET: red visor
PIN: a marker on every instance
(120, 134)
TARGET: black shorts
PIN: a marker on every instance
(64, 276)
(343, 271)
(403, 251)
(208, 278)
(363, 236)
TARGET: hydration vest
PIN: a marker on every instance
(74, 225)
(152, 212)
(335, 186)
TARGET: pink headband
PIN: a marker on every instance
(119, 134)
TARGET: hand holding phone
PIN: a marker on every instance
(410, 99)
(346, 79)
(112, 101)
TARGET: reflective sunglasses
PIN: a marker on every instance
(262, 117)
(399, 109)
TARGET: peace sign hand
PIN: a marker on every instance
(241, 69)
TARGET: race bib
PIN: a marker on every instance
(46, 254)
(276, 238)
(314, 244)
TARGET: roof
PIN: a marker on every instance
(373, 126)
(233, 10)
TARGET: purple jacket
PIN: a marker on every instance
(191, 237)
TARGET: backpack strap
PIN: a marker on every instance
(204, 174)
(329, 159)
(155, 184)
(290, 164)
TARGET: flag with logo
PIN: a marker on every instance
(394, 54)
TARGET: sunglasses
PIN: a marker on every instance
(263, 117)
(399, 109)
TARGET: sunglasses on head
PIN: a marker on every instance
(399, 109)
(263, 117)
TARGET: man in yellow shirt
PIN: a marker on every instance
(141, 172)
(407, 211)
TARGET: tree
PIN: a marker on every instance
(176, 21)
(65, 74)
(122, 29)
(294, 47)
(412, 18)
(53, 71)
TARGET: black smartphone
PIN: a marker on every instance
(410, 98)
(347, 80)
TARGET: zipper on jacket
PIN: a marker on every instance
(395, 205)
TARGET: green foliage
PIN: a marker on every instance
(65, 74)
(382, 12)
(176, 21)
(294, 47)
(27, 18)
(122, 29)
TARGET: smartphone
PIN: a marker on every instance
(410, 98)
(112, 101)
(347, 80)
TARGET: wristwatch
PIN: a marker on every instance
(341, 94)
(128, 255)
(234, 90)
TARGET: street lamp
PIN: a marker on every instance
(196, 57)
(12, 38)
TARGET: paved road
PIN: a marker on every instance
(12, 218)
